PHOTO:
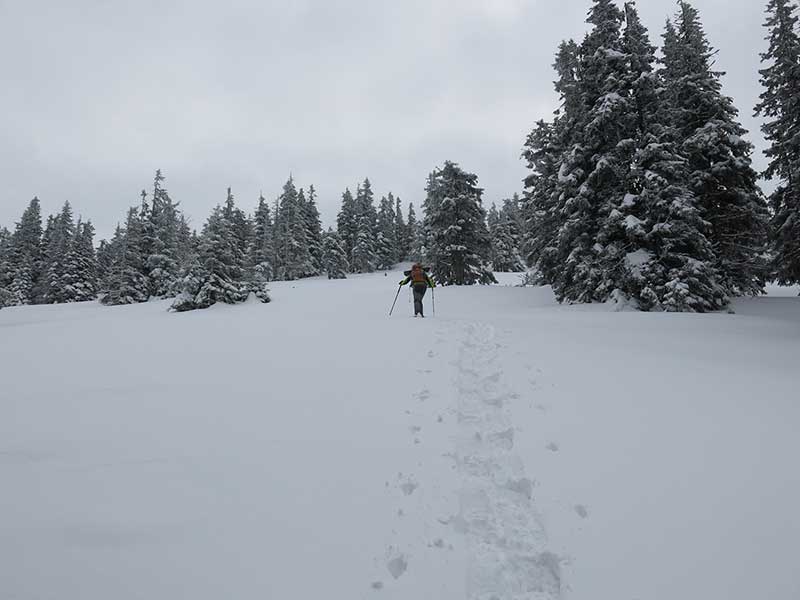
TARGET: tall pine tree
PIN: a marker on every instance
(460, 247)
(25, 257)
(334, 256)
(712, 140)
(780, 106)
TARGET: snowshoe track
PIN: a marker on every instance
(506, 542)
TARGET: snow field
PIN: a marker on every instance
(507, 449)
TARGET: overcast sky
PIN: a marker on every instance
(97, 94)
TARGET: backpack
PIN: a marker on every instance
(418, 275)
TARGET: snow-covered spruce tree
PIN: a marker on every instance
(387, 245)
(414, 236)
(347, 223)
(78, 278)
(669, 262)
(593, 174)
(780, 106)
(241, 230)
(543, 153)
(511, 211)
(492, 217)
(294, 258)
(193, 277)
(217, 274)
(57, 288)
(401, 232)
(107, 255)
(24, 257)
(127, 283)
(459, 248)
(5, 265)
(712, 140)
(365, 207)
(334, 256)
(162, 265)
(262, 244)
(364, 256)
(313, 231)
(187, 242)
(505, 244)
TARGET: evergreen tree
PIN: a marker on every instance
(593, 174)
(334, 256)
(241, 229)
(401, 233)
(540, 207)
(387, 245)
(347, 223)
(712, 140)
(262, 246)
(187, 244)
(365, 256)
(670, 262)
(162, 265)
(78, 279)
(313, 231)
(415, 236)
(512, 213)
(25, 257)
(459, 241)
(780, 105)
(57, 288)
(505, 241)
(366, 212)
(5, 266)
(216, 275)
(292, 242)
(109, 254)
(128, 283)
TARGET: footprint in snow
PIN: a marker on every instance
(431, 353)
(377, 585)
(552, 446)
(397, 566)
(408, 486)
(422, 395)
(581, 511)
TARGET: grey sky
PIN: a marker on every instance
(97, 94)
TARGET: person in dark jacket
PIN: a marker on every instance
(420, 282)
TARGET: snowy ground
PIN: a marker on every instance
(312, 448)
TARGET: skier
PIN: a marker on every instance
(420, 282)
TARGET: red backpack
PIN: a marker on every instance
(418, 275)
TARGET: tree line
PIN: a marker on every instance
(641, 189)
(155, 253)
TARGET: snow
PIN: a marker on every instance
(313, 447)
(638, 258)
(633, 223)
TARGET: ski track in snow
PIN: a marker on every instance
(506, 542)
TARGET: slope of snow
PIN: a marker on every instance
(509, 448)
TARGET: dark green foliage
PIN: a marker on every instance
(780, 106)
(460, 248)
(334, 256)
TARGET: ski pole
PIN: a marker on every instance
(433, 300)
(399, 287)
